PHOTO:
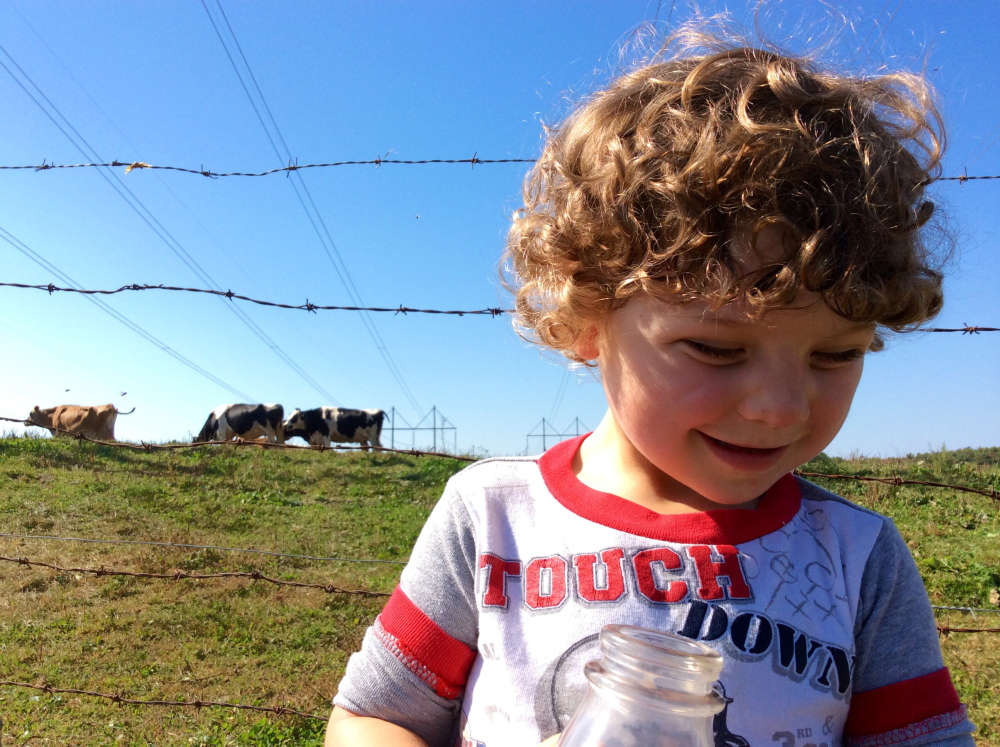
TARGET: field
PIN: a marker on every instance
(247, 641)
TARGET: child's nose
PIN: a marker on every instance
(777, 399)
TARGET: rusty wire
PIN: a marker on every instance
(963, 179)
(120, 699)
(945, 630)
(376, 162)
(180, 575)
(307, 306)
(328, 588)
(967, 610)
(185, 546)
(897, 481)
(143, 446)
(967, 329)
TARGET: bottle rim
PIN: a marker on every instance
(656, 669)
(688, 659)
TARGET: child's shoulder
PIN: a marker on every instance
(496, 471)
(848, 513)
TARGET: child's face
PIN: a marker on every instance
(721, 404)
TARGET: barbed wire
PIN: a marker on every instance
(120, 699)
(307, 306)
(50, 288)
(256, 575)
(296, 166)
(179, 575)
(897, 481)
(945, 630)
(378, 161)
(963, 179)
(969, 610)
(968, 329)
(143, 446)
(200, 547)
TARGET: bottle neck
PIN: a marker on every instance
(657, 670)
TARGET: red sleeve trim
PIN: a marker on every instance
(902, 705)
(423, 647)
(912, 731)
(724, 526)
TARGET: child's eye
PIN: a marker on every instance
(713, 351)
(843, 356)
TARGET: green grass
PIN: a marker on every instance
(251, 642)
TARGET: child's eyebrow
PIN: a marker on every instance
(742, 322)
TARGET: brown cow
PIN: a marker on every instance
(91, 422)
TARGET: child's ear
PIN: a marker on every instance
(587, 346)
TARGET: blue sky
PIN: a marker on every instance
(151, 81)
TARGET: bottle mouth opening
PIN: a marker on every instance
(626, 696)
(656, 661)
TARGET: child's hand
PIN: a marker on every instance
(551, 741)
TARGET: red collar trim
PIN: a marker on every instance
(731, 526)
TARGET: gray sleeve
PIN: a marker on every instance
(896, 633)
(377, 684)
(388, 679)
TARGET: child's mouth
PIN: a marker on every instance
(744, 457)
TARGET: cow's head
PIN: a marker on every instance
(294, 426)
(39, 417)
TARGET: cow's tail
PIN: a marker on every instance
(208, 430)
(122, 412)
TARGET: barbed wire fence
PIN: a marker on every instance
(294, 165)
(122, 699)
(442, 425)
(965, 329)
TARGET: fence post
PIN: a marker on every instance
(392, 428)
(434, 426)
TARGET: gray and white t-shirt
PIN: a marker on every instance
(814, 603)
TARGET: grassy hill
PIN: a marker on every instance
(248, 641)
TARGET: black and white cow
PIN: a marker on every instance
(336, 424)
(244, 421)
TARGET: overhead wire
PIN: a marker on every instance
(560, 392)
(160, 179)
(303, 194)
(882, 32)
(871, 30)
(154, 224)
(148, 336)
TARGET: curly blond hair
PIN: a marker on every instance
(647, 185)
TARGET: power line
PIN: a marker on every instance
(147, 216)
(871, 31)
(882, 32)
(304, 196)
(149, 337)
(128, 167)
(343, 272)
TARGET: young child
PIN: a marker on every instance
(724, 233)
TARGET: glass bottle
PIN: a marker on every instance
(649, 689)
